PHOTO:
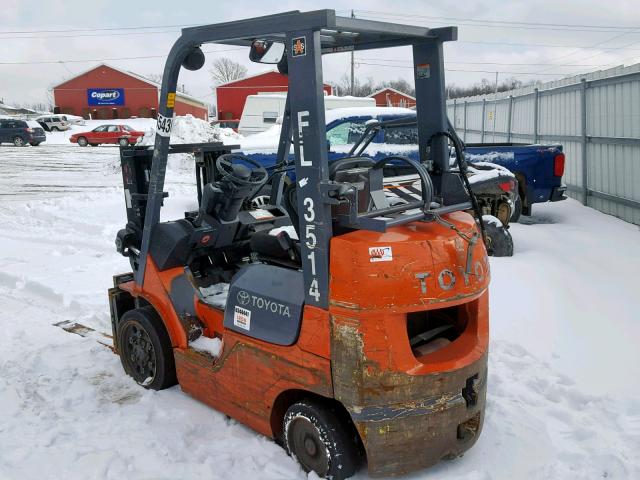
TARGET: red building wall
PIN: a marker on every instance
(183, 108)
(391, 98)
(140, 97)
(231, 96)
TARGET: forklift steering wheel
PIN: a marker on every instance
(231, 167)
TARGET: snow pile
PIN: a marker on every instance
(373, 112)
(189, 129)
(210, 346)
(489, 157)
(215, 295)
(483, 171)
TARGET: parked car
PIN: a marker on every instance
(73, 119)
(538, 168)
(53, 123)
(21, 132)
(122, 135)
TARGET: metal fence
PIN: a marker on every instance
(596, 117)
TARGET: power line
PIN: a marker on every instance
(43, 37)
(96, 29)
(45, 62)
(544, 45)
(593, 46)
(486, 63)
(470, 71)
(501, 23)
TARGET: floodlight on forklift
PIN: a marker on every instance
(194, 59)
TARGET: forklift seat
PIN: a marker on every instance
(280, 249)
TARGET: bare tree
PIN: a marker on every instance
(360, 89)
(486, 86)
(154, 77)
(224, 70)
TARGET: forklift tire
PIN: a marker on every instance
(317, 439)
(498, 239)
(145, 349)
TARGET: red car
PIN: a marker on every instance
(120, 134)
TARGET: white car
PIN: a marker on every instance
(54, 123)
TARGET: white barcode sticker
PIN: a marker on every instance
(242, 318)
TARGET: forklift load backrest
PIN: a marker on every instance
(301, 38)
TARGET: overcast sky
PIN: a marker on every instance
(605, 34)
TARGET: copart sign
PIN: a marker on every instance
(105, 96)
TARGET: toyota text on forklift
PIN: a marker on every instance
(364, 340)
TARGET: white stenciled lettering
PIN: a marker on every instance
(270, 306)
(301, 124)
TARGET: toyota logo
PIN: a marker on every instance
(243, 297)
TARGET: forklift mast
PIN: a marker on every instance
(307, 36)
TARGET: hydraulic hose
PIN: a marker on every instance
(462, 165)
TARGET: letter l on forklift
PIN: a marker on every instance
(366, 339)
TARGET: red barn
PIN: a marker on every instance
(107, 92)
(231, 96)
(390, 97)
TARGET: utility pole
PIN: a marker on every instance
(495, 107)
(352, 64)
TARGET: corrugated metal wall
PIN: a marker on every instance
(596, 117)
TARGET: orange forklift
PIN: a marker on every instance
(351, 327)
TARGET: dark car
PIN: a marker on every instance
(122, 135)
(19, 132)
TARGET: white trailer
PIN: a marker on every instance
(262, 111)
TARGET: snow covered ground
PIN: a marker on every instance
(563, 397)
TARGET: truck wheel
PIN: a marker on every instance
(82, 141)
(145, 349)
(123, 142)
(315, 437)
(517, 208)
(18, 141)
(499, 240)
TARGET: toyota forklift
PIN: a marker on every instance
(351, 329)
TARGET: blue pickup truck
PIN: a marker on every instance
(538, 168)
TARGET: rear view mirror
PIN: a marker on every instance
(263, 51)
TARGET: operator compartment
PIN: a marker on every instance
(230, 253)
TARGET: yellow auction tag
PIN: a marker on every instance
(171, 100)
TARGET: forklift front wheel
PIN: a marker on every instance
(314, 436)
(145, 349)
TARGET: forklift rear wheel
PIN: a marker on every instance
(82, 141)
(319, 441)
(145, 349)
(517, 208)
(499, 240)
